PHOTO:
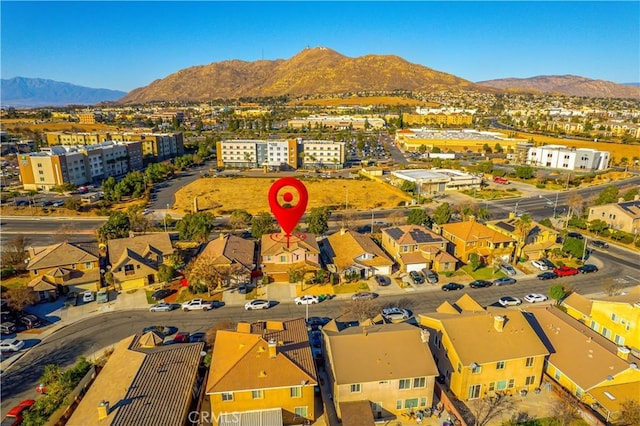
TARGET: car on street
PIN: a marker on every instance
(416, 278)
(452, 287)
(588, 268)
(395, 314)
(29, 321)
(599, 244)
(161, 294)
(257, 304)
(307, 299)
(504, 281)
(565, 271)
(480, 284)
(507, 269)
(15, 416)
(535, 298)
(363, 295)
(11, 345)
(316, 322)
(162, 307)
(197, 305)
(382, 281)
(539, 264)
(509, 301)
(550, 264)
(548, 275)
(431, 276)
(88, 296)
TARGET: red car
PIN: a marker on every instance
(181, 338)
(15, 416)
(565, 271)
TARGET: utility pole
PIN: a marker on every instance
(555, 206)
(584, 249)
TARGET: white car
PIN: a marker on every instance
(540, 265)
(88, 296)
(307, 300)
(509, 301)
(395, 314)
(161, 307)
(12, 345)
(535, 297)
(257, 304)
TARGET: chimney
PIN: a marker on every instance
(472, 218)
(273, 348)
(343, 231)
(103, 410)
(498, 323)
(620, 200)
(424, 336)
(512, 215)
(623, 352)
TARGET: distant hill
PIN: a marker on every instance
(37, 92)
(566, 84)
(312, 71)
(632, 84)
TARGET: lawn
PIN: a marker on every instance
(491, 194)
(484, 273)
(349, 288)
(315, 289)
(15, 281)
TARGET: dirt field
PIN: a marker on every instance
(13, 125)
(371, 100)
(223, 195)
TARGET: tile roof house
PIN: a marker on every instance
(351, 252)
(393, 372)
(540, 240)
(416, 247)
(135, 261)
(622, 216)
(143, 386)
(482, 352)
(62, 267)
(473, 237)
(598, 373)
(263, 370)
(278, 256)
(233, 252)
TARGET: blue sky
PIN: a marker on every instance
(124, 45)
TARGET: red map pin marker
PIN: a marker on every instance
(286, 214)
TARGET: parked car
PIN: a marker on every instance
(11, 345)
(539, 264)
(197, 305)
(71, 299)
(480, 284)
(416, 277)
(395, 314)
(161, 294)
(382, 280)
(576, 235)
(509, 301)
(316, 339)
(565, 271)
(181, 338)
(316, 322)
(197, 337)
(599, 244)
(257, 304)
(29, 321)
(244, 288)
(550, 264)
(15, 416)
(162, 307)
(88, 296)
(504, 281)
(507, 269)
(431, 276)
(549, 275)
(452, 287)
(307, 299)
(363, 295)
(102, 296)
(7, 328)
(535, 297)
(585, 269)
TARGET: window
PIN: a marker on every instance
(423, 401)
(502, 385)
(475, 369)
(227, 396)
(88, 265)
(492, 386)
(356, 387)
(530, 380)
(419, 382)
(619, 340)
(128, 270)
(257, 394)
(557, 375)
(300, 411)
(614, 317)
(606, 332)
(283, 258)
(404, 384)
(383, 382)
(500, 365)
(512, 383)
(296, 392)
(35, 272)
(474, 391)
(399, 404)
(411, 403)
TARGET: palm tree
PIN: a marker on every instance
(523, 226)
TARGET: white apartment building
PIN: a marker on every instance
(561, 157)
(323, 154)
(238, 153)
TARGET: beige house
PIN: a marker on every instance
(472, 237)
(416, 247)
(621, 216)
(354, 253)
(278, 256)
(233, 252)
(539, 241)
(393, 370)
(135, 261)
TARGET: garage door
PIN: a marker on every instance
(416, 267)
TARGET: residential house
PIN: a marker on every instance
(278, 255)
(393, 373)
(484, 352)
(234, 254)
(349, 253)
(621, 216)
(416, 247)
(61, 268)
(598, 373)
(263, 371)
(473, 237)
(538, 242)
(615, 317)
(135, 261)
(143, 385)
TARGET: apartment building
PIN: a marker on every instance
(322, 154)
(561, 157)
(337, 122)
(621, 216)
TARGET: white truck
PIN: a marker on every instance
(197, 305)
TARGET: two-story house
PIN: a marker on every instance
(393, 371)
(278, 256)
(135, 261)
(234, 253)
(484, 352)
(60, 268)
(615, 317)
(349, 252)
(621, 216)
(416, 247)
(538, 242)
(263, 372)
(474, 237)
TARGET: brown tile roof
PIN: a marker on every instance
(347, 246)
(273, 244)
(579, 303)
(378, 352)
(412, 258)
(140, 244)
(356, 413)
(60, 254)
(444, 257)
(231, 249)
(470, 230)
(75, 277)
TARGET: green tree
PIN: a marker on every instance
(422, 149)
(574, 247)
(166, 273)
(485, 167)
(195, 227)
(262, 224)
(524, 172)
(556, 292)
(417, 217)
(474, 261)
(318, 220)
(408, 186)
(486, 148)
(630, 412)
(608, 195)
(598, 226)
(436, 150)
(442, 214)
(630, 194)
(109, 189)
(117, 226)
(239, 219)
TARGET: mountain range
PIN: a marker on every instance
(311, 72)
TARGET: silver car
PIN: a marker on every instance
(395, 314)
(257, 304)
(161, 307)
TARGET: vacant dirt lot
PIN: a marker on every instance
(15, 125)
(370, 100)
(223, 195)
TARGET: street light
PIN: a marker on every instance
(555, 205)
(165, 218)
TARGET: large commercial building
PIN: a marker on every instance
(453, 140)
(337, 122)
(561, 157)
(437, 180)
